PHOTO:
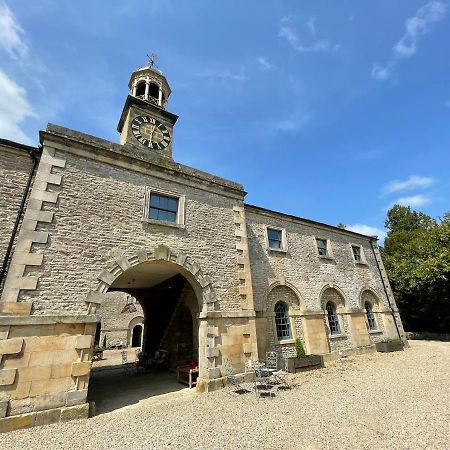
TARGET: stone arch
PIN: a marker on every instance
(138, 320)
(188, 267)
(298, 304)
(368, 294)
(332, 293)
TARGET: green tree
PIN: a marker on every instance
(417, 258)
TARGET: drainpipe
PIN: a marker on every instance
(4, 269)
(386, 292)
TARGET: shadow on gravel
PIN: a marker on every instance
(112, 388)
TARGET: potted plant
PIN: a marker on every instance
(302, 361)
(389, 345)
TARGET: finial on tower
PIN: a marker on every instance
(152, 60)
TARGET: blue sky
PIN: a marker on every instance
(327, 110)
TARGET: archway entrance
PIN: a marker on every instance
(136, 336)
(170, 328)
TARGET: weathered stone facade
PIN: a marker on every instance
(206, 281)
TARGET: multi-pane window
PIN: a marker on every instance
(370, 317)
(275, 239)
(322, 247)
(333, 320)
(282, 321)
(163, 207)
(357, 253)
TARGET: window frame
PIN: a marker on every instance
(336, 322)
(329, 247)
(363, 260)
(180, 216)
(283, 241)
(287, 320)
(374, 327)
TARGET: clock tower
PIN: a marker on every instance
(144, 121)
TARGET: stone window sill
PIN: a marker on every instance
(330, 258)
(164, 224)
(338, 336)
(375, 332)
(286, 341)
(277, 250)
(361, 263)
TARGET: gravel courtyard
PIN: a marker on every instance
(397, 400)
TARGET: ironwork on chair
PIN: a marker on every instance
(127, 366)
(263, 384)
(274, 363)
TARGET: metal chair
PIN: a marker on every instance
(127, 366)
(274, 364)
(263, 383)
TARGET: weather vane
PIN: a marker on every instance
(152, 59)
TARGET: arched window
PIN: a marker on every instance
(370, 317)
(153, 90)
(140, 89)
(333, 320)
(282, 321)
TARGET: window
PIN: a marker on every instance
(282, 321)
(333, 320)
(322, 247)
(357, 253)
(163, 207)
(370, 317)
(275, 239)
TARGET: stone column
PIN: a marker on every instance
(147, 87)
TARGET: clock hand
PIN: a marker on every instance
(151, 133)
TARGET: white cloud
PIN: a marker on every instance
(10, 34)
(223, 75)
(298, 120)
(14, 108)
(410, 183)
(413, 201)
(416, 27)
(381, 73)
(367, 230)
(311, 25)
(265, 65)
(288, 33)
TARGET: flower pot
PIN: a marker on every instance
(294, 365)
(386, 347)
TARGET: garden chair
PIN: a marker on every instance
(274, 364)
(263, 383)
(127, 366)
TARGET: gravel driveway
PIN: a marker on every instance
(396, 400)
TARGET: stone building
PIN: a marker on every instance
(88, 225)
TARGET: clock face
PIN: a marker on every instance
(150, 132)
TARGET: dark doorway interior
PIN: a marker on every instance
(136, 339)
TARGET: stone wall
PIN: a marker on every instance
(44, 370)
(15, 166)
(310, 281)
(98, 218)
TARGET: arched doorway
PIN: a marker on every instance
(136, 336)
(171, 298)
